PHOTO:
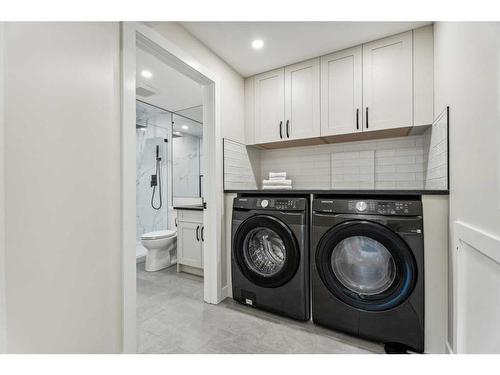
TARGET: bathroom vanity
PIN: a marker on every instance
(190, 238)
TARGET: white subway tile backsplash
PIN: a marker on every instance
(239, 173)
(417, 167)
(396, 160)
(412, 162)
(436, 172)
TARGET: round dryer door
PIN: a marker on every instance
(366, 265)
(266, 251)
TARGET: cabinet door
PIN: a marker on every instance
(189, 249)
(302, 100)
(388, 83)
(269, 106)
(341, 92)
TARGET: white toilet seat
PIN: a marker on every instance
(160, 234)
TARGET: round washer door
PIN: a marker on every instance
(266, 251)
(366, 265)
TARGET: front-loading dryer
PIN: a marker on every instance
(367, 270)
(270, 254)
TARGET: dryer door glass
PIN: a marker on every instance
(363, 265)
(366, 265)
(265, 252)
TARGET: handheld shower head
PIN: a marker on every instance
(158, 153)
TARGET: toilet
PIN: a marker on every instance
(161, 249)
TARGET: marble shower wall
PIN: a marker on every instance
(186, 171)
(156, 132)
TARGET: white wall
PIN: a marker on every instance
(231, 83)
(466, 79)
(62, 169)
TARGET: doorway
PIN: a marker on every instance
(134, 37)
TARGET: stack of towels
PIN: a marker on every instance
(277, 181)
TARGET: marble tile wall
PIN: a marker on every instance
(156, 132)
(186, 166)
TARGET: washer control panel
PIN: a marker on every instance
(369, 206)
(270, 203)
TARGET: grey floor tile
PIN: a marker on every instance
(172, 318)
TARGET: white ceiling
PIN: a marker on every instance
(286, 42)
(173, 90)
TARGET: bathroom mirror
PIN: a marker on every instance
(187, 150)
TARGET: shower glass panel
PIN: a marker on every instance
(187, 142)
(153, 158)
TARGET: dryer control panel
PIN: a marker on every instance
(369, 206)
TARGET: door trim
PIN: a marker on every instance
(131, 33)
(3, 306)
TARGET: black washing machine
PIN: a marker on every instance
(270, 254)
(367, 269)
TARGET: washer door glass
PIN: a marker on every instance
(264, 252)
(363, 265)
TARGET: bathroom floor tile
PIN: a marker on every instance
(172, 318)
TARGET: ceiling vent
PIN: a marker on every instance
(144, 92)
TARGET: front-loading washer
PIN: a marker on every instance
(270, 254)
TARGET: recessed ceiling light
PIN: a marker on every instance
(146, 74)
(177, 133)
(185, 127)
(258, 44)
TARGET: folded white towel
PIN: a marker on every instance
(277, 182)
(277, 178)
(277, 174)
(276, 187)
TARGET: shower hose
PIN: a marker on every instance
(158, 179)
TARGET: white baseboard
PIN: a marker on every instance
(449, 350)
(227, 291)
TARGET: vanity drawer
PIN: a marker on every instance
(190, 215)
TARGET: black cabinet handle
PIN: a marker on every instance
(175, 221)
(367, 117)
(287, 133)
(202, 238)
(197, 234)
(357, 118)
(281, 132)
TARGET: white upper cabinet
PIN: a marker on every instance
(302, 100)
(269, 106)
(423, 76)
(380, 85)
(388, 83)
(341, 92)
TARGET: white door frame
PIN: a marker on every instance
(3, 307)
(133, 33)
